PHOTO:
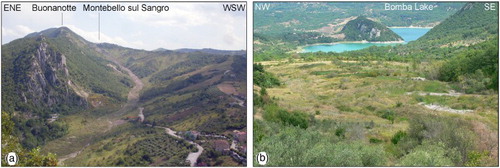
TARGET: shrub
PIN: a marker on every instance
(375, 140)
(475, 158)
(294, 118)
(454, 133)
(293, 146)
(263, 78)
(274, 113)
(340, 132)
(399, 104)
(270, 112)
(370, 125)
(344, 108)
(428, 155)
(370, 108)
(472, 83)
(389, 115)
(398, 136)
(419, 99)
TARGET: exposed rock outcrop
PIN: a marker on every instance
(47, 84)
(363, 29)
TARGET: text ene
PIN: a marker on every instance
(12, 7)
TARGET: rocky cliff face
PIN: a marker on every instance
(363, 29)
(47, 79)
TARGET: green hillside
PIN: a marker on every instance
(470, 25)
(54, 72)
(183, 87)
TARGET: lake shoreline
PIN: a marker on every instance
(300, 49)
(412, 27)
(410, 33)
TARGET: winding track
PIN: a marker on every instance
(132, 100)
(133, 94)
(192, 156)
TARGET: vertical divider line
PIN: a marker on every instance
(99, 26)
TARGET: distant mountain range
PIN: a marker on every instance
(205, 50)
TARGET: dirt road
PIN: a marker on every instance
(193, 156)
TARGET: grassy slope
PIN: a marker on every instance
(357, 92)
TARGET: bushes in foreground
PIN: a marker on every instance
(262, 78)
(429, 155)
(292, 146)
(274, 113)
(428, 134)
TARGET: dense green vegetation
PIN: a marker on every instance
(475, 69)
(189, 90)
(296, 146)
(27, 157)
(153, 146)
(135, 145)
(194, 61)
(362, 28)
(463, 26)
(262, 78)
(145, 151)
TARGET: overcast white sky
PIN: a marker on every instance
(185, 25)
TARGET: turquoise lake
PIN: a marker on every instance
(408, 34)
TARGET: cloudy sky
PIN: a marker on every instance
(185, 25)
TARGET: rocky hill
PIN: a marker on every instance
(363, 29)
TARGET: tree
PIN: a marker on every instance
(27, 158)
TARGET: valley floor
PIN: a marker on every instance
(91, 130)
(86, 127)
